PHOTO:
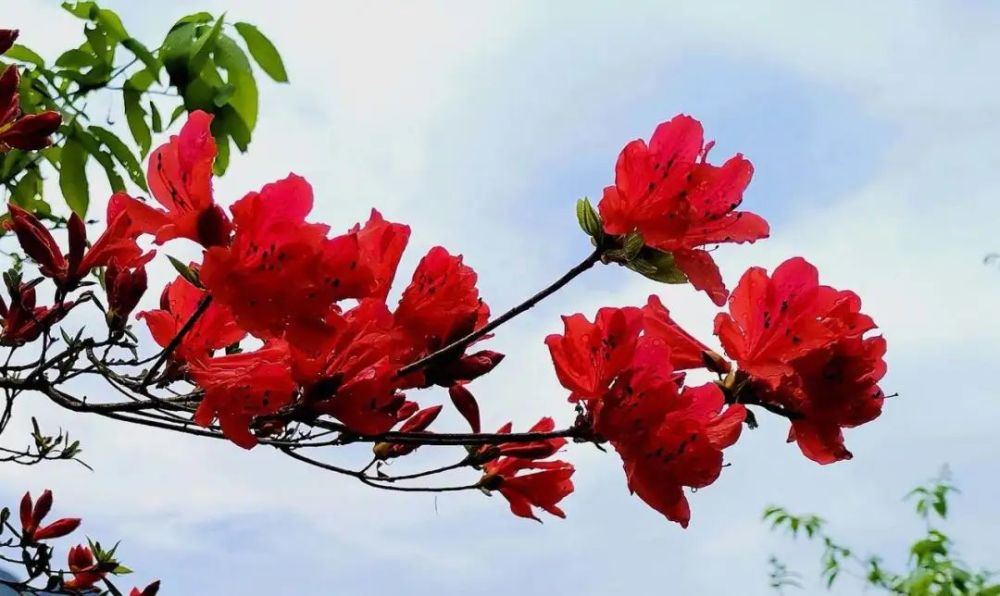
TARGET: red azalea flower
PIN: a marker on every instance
(686, 352)
(834, 388)
(214, 330)
(241, 387)
(86, 572)
(802, 346)
(442, 303)
(117, 243)
(23, 322)
(634, 398)
(772, 321)
(543, 489)
(32, 515)
(680, 203)
(21, 131)
(348, 365)
(180, 179)
(685, 449)
(588, 356)
(381, 245)
(280, 270)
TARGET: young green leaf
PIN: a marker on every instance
(23, 54)
(263, 52)
(73, 177)
(136, 117)
(204, 46)
(122, 153)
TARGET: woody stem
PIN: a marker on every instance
(176, 341)
(459, 345)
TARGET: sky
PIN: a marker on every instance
(872, 130)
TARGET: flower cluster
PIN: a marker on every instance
(87, 565)
(283, 323)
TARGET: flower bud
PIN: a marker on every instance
(466, 405)
(7, 39)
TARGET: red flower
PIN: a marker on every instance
(117, 243)
(837, 388)
(32, 515)
(685, 449)
(774, 320)
(381, 245)
(180, 179)
(86, 572)
(241, 387)
(214, 330)
(686, 352)
(23, 322)
(668, 437)
(20, 131)
(680, 203)
(348, 365)
(543, 489)
(440, 305)
(589, 356)
(802, 346)
(280, 270)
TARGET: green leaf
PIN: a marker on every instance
(589, 220)
(178, 111)
(204, 45)
(24, 54)
(136, 118)
(231, 122)
(263, 52)
(140, 51)
(658, 266)
(231, 58)
(175, 52)
(156, 119)
(27, 193)
(196, 18)
(82, 10)
(223, 94)
(121, 570)
(73, 177)
(93, 147)
(186, 272)
(222, 158)
(122, 153)
(76, 59)
(98, 41)
(140, 81)
(111, 23)
(632, 245)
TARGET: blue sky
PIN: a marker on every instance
(872, 130)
